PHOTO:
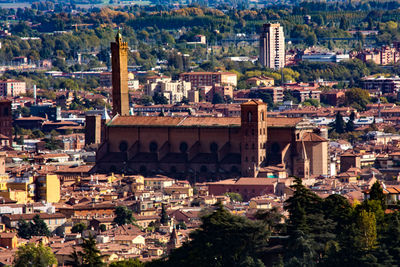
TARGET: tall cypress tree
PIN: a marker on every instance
(339, 123)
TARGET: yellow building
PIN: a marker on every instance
(49, 188)
(20, 196)
(178, 189)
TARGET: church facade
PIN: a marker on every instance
(210, 147)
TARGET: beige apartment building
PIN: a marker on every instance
(272, 46)
(12, 88)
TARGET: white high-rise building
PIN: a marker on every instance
(272, 46)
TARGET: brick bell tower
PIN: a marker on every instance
(254, 137)
(119, 60)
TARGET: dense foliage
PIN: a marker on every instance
(318, 232)
(34, 255)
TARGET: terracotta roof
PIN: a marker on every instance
(255, 181)
(44, 216)
(247, 181)
(196, 121)
(31, 118)
(253, 102)
(312, 137)
(283, 122)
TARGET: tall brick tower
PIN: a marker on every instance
(6, 119)
(254, 136)
(119, 60)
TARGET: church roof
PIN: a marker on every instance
(312, 137)
(253, 102)
(174, 121)
(149, 121)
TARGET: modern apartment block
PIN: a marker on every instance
(272, 46)
(12, 88)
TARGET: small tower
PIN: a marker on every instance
(119, 60)
(254, 136)
(174, 241)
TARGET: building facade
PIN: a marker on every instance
(209, 78)
(272, 46)
(12, 88)
(211, 147)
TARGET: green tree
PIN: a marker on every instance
(350, 123)
(272, 218)
(339, 125)
(34, 255)
(127, 263)
(234, 196)
(24, 229)
(208, 245)
(217, 99)
(164, 215)
(37, 227)
(367, 227)
(376, 193)
(78, 228)
(311, 102)
(123, 215)
(103, 227)
(357, 98)
(89, 256)
(160, 99)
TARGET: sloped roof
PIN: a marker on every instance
(312, 137)
(126, 121)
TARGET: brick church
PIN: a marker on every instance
(205, 147)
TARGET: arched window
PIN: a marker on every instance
(260, 131)
(183, 147)
(264, 130)
(262, 115)
(214, 147)
(143, 169)
(123, 146)
(249, 116)
(275, 148)
(203, 168)
(234, 169)
(153, 146)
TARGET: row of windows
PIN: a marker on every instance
(253, 146)
(203, 169)
(262, 132)
(153, 147)
(250, 116)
